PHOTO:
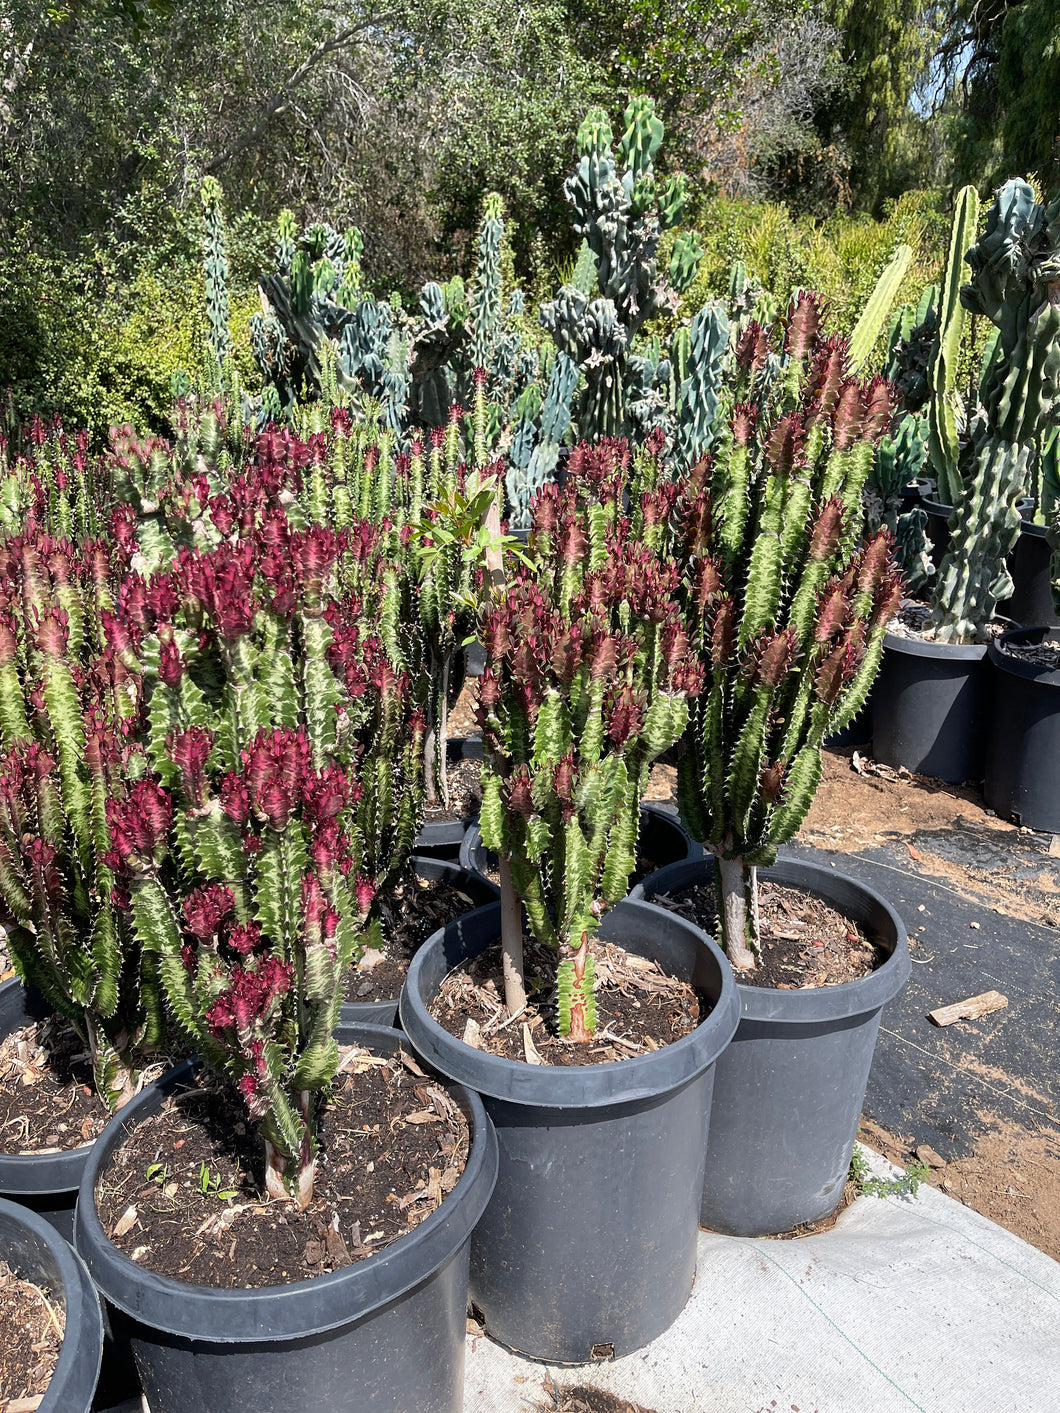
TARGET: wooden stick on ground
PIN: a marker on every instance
(971, 1009)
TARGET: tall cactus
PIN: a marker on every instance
(786, 607)
(621, 210)
(1016, 285)
(69, 700)
(215, 269)
(586, 683)
(537, 438)
(702, 384)
(870, 323)
(909, 346)
(249, 857)
(944, 408)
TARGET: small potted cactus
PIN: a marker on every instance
(931, 708)
(284, 757)
(789, 610)
(588, 679)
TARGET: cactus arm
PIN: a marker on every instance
(867, 329)
(942, 371)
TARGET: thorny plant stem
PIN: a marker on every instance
(512, 943)
(737, 886)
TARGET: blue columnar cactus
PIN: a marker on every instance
(1016, 285)
(621, 211)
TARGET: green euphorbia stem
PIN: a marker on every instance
(511, 943)
(277, 1163)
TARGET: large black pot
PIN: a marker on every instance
(938, 527)
(1023, 751)
(1030, 565)
(589, 1242)
(44, 1182)
(931, 708)
(788, 1091)
(660, 838)
(479, 890)
(441, 838)
(385, 1334)
(34, 1250)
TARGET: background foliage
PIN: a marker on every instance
(818, 133)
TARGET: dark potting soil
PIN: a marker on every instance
(48, 1101)
(639, 1008)
(914, 621)
(32, 1322)
(413, 910)
(1045, 654)
(805, 941)
(465, 793)
(393, 1144)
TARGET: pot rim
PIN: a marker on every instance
(820, 1003)
(82, 1343)
(1016, 667)
(299, 1308)
(554, 1087)
(941, 652)
(44, 1174)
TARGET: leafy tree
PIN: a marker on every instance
(998, 71)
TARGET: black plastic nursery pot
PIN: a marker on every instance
(857, 732)
(1030, 565)
(660, 838)
(789, 1089)
(480, 892)
(931, 708)
(1023, 752)
(938, 527)
(35, 1251)
(588, 1246)
(441, 838)
(385, 1334)
(46, 1183)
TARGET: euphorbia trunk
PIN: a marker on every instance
(289, 1178)
(116, 1079)
(434, 746)
(736, 887)
(512, 943)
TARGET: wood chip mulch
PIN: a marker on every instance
(580, 1398)
(48, 1103)
(639, 1008)
(806, 943)
(413, 910)
(32, 1322)
(183, 1197)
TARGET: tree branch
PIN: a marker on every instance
(344, 39)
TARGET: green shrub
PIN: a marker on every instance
(840, 257)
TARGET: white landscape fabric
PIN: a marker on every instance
(906, 1304)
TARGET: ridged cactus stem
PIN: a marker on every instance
(984, 528)
(867, 329)
(943, 448)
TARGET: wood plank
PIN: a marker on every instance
(971, 1009)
